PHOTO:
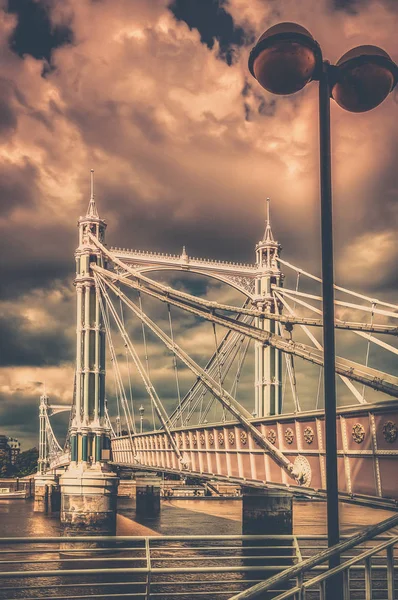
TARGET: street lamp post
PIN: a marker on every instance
(286, 58)
(141, 411)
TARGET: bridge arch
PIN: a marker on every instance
(242, 286)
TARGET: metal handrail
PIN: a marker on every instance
(143, 566)
(353, 561)
(297, 570)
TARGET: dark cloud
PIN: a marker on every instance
(34, 33)
(18, 185)
(22, 344)
(19, 402)
(186, 147)
(213, 22)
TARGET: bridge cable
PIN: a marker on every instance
(210, 404)
(139, 366)
(319, 346)
(218, 367)
(225, 398)
(374, 378)
(292, 376)
(318, 393)
(118, 422)
(361, 307)
(169, 293)
(241, 360)
(146, 357)
(175, 364)
(227, 346)
(128, 374)
(118, 377)
(368, 350)
(337, 287)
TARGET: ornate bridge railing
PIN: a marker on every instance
(367, 441)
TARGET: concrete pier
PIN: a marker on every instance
(267, 512)
(88, 500)
(147, 494)
(46, 493)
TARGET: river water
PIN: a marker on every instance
(187, 517)
(177, 517)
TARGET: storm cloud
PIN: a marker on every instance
(157, 98)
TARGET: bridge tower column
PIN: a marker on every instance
(46, 482)
(268, 360)
(89, 487)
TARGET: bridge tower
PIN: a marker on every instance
(88, 487)
(268, 360)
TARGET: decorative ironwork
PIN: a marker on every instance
(308, 435)
(220, 438)
(231, 437)
(243, 437)
(271, 436)
(180, 440)
(303, 466)
(163, 442)
(187, 441)
(358, 433)
(202, 439)
(289, 435)
(246, 283)
(194, 441)
(390, 432)
(211, 439)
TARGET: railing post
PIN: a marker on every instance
(390, 572)
(346, 584)
(322, 590)
(148, 564)
(300, 594)
(368, 578)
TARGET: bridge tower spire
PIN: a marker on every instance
(90, 434)
(268, 360)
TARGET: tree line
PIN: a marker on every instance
(25, 463)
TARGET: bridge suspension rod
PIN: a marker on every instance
(337, 287)
(228, 402)
(148, 384)
(379, 311)
(371, 377)
(344, 379)
(228, 348)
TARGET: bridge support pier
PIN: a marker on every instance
(88, 500)
(147, 495)
(46, 493)
(266, 512)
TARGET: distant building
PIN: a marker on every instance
(11, 446)
(14, 449)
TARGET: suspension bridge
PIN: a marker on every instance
(212, 431)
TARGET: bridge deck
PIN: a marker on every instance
(367, 450)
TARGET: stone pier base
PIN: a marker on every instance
(88, 500)
(147, 494)
(267, 512)
(46, 493)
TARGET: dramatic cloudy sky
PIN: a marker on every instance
(156, 96)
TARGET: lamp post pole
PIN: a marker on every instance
(329, 375)
(285, 58)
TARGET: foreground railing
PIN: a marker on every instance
(206, 567)
(164, 567)
(375, 576)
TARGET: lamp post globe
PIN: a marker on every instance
(285, 58)
(364, 77)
